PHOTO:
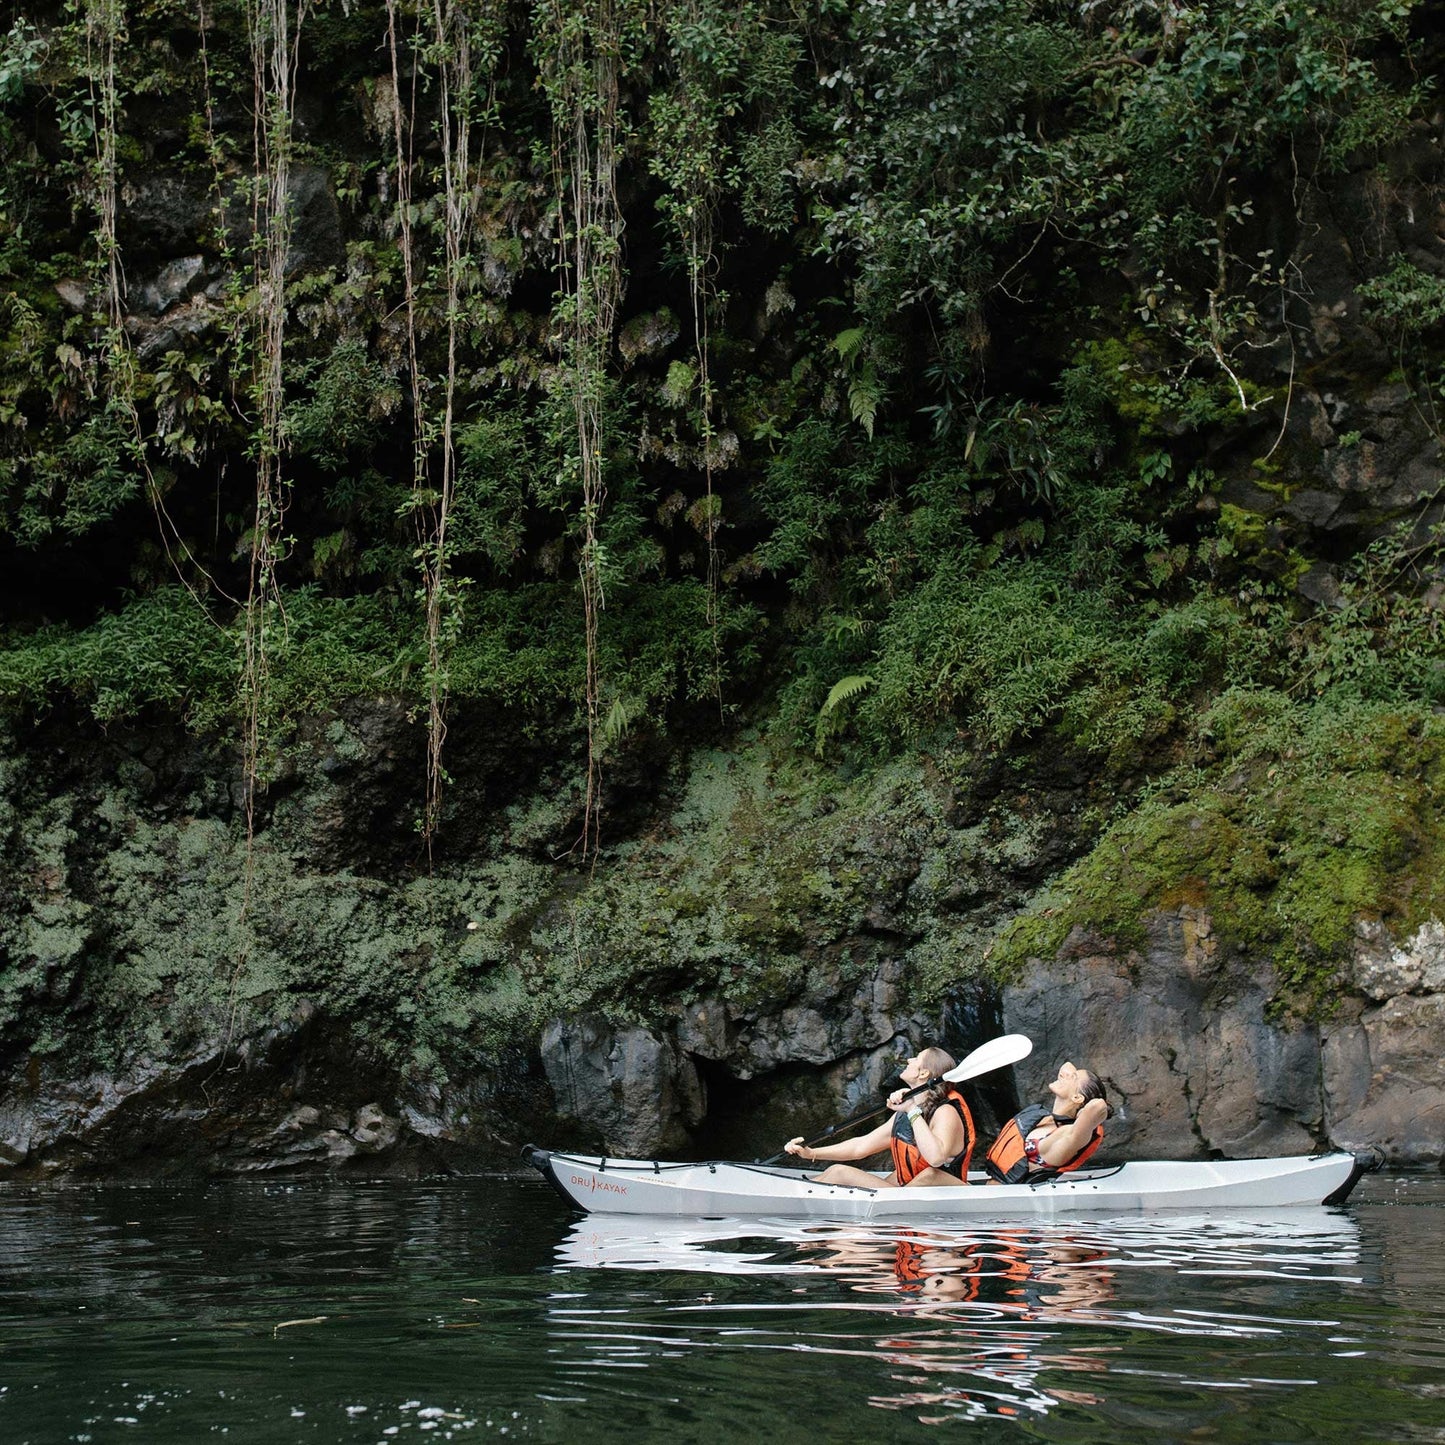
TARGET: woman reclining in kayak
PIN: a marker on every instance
(1039, 1141)
(930, 1135)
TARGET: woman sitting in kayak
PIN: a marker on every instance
(1051, 1140)
(930, 1135)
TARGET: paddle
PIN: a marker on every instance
(995, 1054)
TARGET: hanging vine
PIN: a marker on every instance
(104, 29)
(403, 131)
(454, 53)
(460, 35)
(695, 220)
(690, 157)
(275, 37)
(403, 137)
(580, 57)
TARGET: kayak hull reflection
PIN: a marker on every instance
(645, 1186)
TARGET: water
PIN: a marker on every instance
(483, 1310)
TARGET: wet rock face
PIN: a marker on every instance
(163, 215)
(1384, 1059)
(637, 1091)
(640, 1093)
(1181, 1039)
(1196, 1069)
(1356, 454)
(1359, 465)
(835, 1024)
(294, 1099)
(168, 214)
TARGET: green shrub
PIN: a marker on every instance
(1304, 817)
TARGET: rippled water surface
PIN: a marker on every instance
(482, 1308)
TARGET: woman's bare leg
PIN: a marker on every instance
(934, 1176)
(855, 1178)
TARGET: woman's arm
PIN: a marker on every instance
(846, 1150)
(941, 1138)
(1061, 1146)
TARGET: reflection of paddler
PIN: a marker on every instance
(1068, 1282)
(1012, 1260)
(930, 1136)
(1040, 1141)
(1044, 1275)
(925, 1267)
(908, 1263)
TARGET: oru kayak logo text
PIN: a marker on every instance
(592, 1182)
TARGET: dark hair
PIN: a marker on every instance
(938, 1062)
(1091, 1086)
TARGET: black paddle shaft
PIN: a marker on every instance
(835, 1129)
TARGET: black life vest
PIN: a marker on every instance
(908, 1160)
(1007, 1161)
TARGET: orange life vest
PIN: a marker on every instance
(1007, 1161)
(908, 1160)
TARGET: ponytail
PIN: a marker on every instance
(1092, 1088)
(938, 1062)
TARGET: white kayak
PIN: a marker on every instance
(649, 1186)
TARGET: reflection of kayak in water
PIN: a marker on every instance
(635, 1186)
(957, 1318)
(1242, 1243)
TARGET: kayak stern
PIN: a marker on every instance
(1366, 1162)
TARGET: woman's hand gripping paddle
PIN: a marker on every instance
(995, 1054)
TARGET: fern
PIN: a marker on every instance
(845, 688)
(619, 719)
(864, 395)
(842, 691)
(864, 389)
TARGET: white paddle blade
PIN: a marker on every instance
(995, 1054)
